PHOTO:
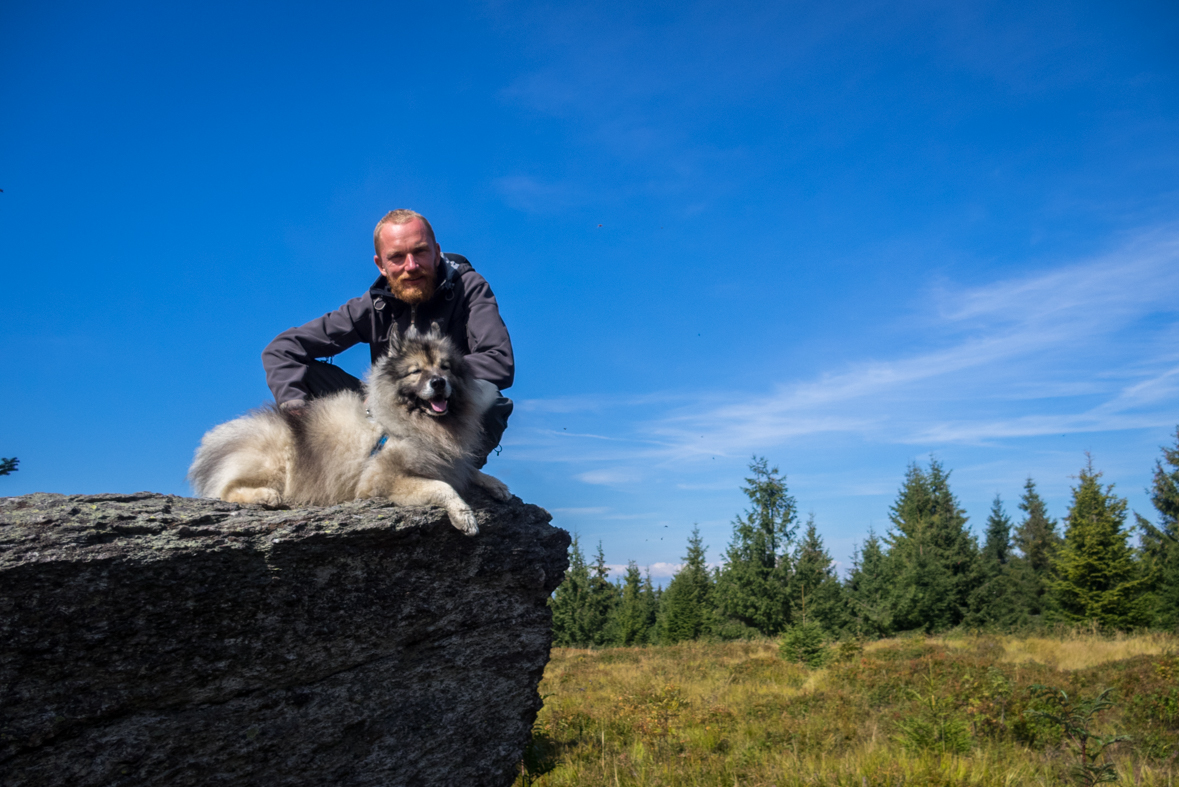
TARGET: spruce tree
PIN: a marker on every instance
(652, 598)
(687, 602)
(568, 602)
(751, 588)
(868, 590)
(1096, 577)
(1037, 540)
(996, 600)
(628, 622)
(815, 593)
(931, 553)
(601, 599)
(1160, 544)
(8, 466)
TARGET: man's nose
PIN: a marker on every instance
(411, 262)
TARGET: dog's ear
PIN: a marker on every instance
(435, 331)
(394, 341)
(412, 332)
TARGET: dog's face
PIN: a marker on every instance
(427, 373)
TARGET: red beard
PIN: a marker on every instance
(412, 292)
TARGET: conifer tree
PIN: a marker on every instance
(569, 601)
(751, 587)
(601, 599)
(628, 622)
(1037, 540)
(996, 598)
(1096, 577)
(8, 466)
(1160, 544)
(931, 553)
(687, 602)
(815, 593)
(652, 598)
(867, 589)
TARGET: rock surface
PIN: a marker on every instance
(155, 640)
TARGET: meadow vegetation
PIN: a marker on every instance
(913, 710)
(770, 669)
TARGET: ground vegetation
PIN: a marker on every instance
(1050, 709)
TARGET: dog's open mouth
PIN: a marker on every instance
(438, 405)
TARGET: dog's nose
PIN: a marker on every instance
(438, 384)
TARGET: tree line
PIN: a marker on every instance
(927, 573)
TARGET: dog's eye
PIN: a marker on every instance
(444, 367)
(414, 370)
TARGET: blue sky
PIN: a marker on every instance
(846, 237)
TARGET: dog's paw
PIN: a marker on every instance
(496, 488)
(270, 499)
(259, 496)
(499, 490)
(464, 520)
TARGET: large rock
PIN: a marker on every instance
(154, 640)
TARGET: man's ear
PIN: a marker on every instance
(377, 260)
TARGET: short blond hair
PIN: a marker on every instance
(400, 216)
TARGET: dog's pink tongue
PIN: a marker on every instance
(439, 405)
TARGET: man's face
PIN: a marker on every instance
(409, 259)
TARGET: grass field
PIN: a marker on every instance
(911, 711)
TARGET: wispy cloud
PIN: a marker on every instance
(534, 195)
(1096, 338)
(608, 477)
(662, 570)
(1063, 327)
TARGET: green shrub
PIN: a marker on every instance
(804, 644)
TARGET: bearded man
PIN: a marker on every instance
(418, 285)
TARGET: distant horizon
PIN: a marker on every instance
(842, 238)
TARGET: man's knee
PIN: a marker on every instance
(495, 422)
(324, 379)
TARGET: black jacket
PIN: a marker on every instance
(463, 306)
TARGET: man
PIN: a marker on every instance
(418, 285)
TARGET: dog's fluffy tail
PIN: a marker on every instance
(253, 451)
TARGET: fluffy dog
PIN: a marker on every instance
(411, 441)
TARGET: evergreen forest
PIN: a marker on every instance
(928, 573)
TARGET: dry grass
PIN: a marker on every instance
(735, 713)
(1078, 653)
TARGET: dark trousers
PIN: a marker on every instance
(322, 379)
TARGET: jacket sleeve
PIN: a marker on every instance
(490, 346)
(287, 357)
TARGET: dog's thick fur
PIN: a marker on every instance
(421, 397)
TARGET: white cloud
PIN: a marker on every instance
(1082, 348)
(657, 570)
(532, 195)
(607, 477)
(1062, 327)
(664, 570)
